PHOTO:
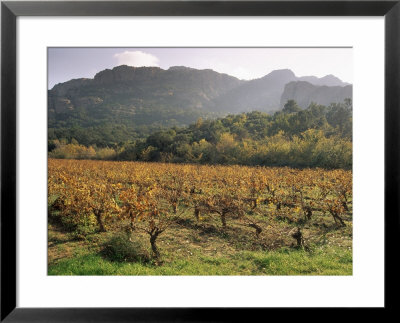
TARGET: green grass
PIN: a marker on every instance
(323, 261)
(205, 248)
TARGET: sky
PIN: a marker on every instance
(244, 63)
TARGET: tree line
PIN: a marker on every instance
(319, 136)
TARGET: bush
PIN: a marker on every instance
(105, 153)
(78, 226)
(86, 226)
(120, 248)
(74, 151)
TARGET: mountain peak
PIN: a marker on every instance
(283, 72)
(282, 75)
(332, 80)
(327, 80)
(329, 77)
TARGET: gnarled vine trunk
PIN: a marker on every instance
(337, 218)
(298, 235)
(197, 213)
(100, 221)
(153, 238)
(223, 218)
(154, 248)
(257, 227)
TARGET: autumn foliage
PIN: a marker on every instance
(150, 197)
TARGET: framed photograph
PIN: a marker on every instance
(179, 160)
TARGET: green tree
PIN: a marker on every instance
(291, 107)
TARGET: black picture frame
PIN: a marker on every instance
(10, 10)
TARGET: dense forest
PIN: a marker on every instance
(319, 136)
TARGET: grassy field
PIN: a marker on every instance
(191, 248)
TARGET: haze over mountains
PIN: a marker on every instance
(305, 92)
(151, 96)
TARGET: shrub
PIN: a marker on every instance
(120, 248)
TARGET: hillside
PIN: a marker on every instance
(127, 103)
(304, 93)
(262, 94)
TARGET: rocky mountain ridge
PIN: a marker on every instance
(140, 96)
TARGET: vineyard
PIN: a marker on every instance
(201, 214)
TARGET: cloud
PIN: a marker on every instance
(136, 58)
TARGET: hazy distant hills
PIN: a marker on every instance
(151, 96)
(304, 93)
(328, 80)
(261, 94)
(267, 93)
